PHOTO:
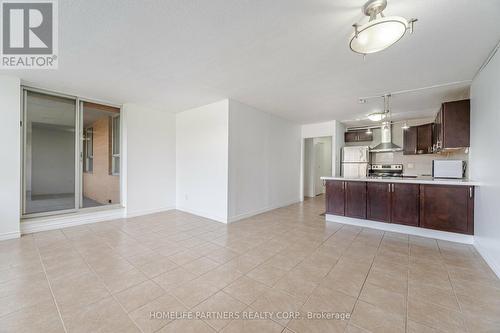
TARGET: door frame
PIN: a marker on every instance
(78, 154)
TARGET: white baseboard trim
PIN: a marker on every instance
(490, 259)
(69, 220)
(203, 214)
(10, 235)
(404, 229)
(260, 211)
(149, 211)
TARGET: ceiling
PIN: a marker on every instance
(287, 57)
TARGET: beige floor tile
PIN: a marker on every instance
(193, 292)
(276, 301)
(267, 274)
(220, 303)
(426, 293)
(157, 266)
(200, 266)
(173, 278)
(245, 289)
(253, 326)
(296, 286)
(221, 276)
(317, 325)
(328, 300)
(435, 316)
(78, 291)
(187, 326)
(384, 299)
(156, 314)
(103, 316)
(243, 263)
(40, 317)
(308, 265)
(375, 319)
(120, 281)
(138, 295)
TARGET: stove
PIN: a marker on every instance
(385, 170)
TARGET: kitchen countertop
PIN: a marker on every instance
(409, 180)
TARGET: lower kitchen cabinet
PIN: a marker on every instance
(440, 207)
(335, 198)
(447, 208)
(405, 204)
(378, 202)
(355, 199)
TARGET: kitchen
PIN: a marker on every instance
(406, 175)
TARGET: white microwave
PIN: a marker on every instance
(448, 169)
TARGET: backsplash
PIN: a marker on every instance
(418, 164)
(412, 164)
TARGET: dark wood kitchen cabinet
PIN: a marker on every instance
(418, 140)
(335, 197)
(358, 136)
(405, 204)
(452, 126)
(410, 141)
(355, 199)
(346, 198)
(447, 208)
(378, 201)
(424, 139)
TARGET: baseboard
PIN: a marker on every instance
(203, 214)
(10, 235)
(149, 211)
(260, 211)
(489, 258)
(69, 220)
(404, 229)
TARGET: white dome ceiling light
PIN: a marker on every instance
(380, 32)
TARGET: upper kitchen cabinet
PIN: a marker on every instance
(418, 140)
(452, 126)
(358, 136)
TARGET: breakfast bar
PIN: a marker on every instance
(421, 202)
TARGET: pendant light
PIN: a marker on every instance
(379, 32)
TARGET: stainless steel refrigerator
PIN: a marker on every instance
(355, 161)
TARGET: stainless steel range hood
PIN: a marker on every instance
(386, 144)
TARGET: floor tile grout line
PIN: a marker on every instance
(50, 287)
(452, 287)
(104, 284)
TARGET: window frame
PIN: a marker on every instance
(115, 156)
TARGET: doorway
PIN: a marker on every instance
(317, 164)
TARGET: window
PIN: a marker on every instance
(115, 145)
(88, 150)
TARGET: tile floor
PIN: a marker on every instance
(111, 276)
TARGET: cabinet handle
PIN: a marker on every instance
(389, 185)
(392, 185)
(470, 192)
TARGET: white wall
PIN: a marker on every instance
(10, 155)
(149, 152)
(317, 163)
(264, 161)
(485, 161)
(333, 129)
(202, 160)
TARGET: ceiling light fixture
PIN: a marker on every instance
(376, 116)
(380, 32)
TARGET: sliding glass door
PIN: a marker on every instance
(50, 180)
(71, 154)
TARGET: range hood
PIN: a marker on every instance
(386, 144)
